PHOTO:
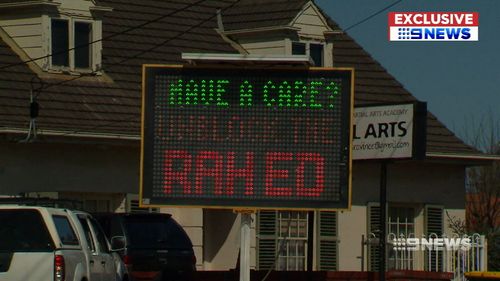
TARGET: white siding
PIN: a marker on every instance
(222, 240)
(311, 24)
(68, 168)
(79, 7)
(352, 224)
(26, 33)
(271, 47)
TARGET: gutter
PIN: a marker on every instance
(452, 156)
(260, 30)
(54, 133)
(29, 4)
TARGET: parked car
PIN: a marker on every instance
(50, 244)
(156, 247)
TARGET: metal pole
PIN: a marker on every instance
(363, 252)
(310, 240)
(383, 219)
(246, 220)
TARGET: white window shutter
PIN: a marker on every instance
(372, 235)
(327, 241)
(433, 226)
(434, 220)
(266, 239)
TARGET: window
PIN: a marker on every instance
(292, 240)
(83, 39)
(87, 233)
(298, 48)
(314, 50)
(156, 232)
(60, 43)
(24, 231)
(401, 223)
(71, 44)
(65, 230)
(101, 238)
(283, 237)
(433, 228)
(316, 53)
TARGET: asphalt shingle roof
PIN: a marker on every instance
(249, 14)
(110, 104)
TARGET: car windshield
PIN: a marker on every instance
(24, 231)
(156, 232)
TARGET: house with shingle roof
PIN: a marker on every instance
(70, 121)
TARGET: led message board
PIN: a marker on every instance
(246, 138)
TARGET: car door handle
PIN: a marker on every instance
(103, 263)
(91, 261)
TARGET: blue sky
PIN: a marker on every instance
(460, 81)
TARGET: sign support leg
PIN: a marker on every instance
(246, 220)
(383, 219)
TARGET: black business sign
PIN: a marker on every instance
(246, 137)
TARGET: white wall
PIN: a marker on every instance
(26, 31)
(352, 224)
(311, 24)
(222, 239)
(38, 167)
(411, 182)
(274, 45)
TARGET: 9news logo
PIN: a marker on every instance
(433, 26)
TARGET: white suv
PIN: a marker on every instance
(49, 244)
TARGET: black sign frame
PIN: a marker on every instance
(148, 135)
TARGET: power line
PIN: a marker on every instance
(107, 37)
(372, 15)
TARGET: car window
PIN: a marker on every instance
(87, 233)
(156, 232)
(65, 230)
(101, 238)
(24, 231)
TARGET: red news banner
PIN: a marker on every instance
(433, 26)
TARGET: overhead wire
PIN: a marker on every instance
(372, 15)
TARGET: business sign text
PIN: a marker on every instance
(433, 26)
(256, 138)
(383, 132)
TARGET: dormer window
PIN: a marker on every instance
(314, 50)
(71, 44)
(60, 43)
(83, 39)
